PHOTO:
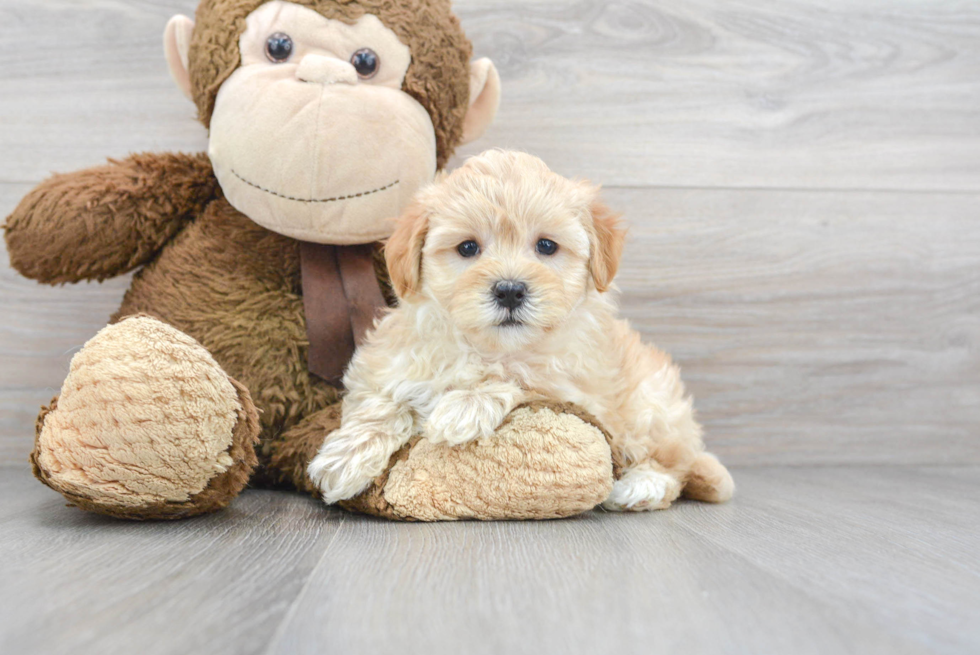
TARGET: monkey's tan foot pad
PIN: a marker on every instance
(147, 426)
(546, 461)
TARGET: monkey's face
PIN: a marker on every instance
(316, 132)
(312, 136)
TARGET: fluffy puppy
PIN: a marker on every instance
(503, 269)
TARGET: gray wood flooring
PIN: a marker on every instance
(807, 560)
(802, 181)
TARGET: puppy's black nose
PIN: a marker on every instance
(510, 294)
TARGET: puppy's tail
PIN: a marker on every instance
(709, 480)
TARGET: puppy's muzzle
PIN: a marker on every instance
(509, 294)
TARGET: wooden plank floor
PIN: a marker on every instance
(806, 560)
(802, 181)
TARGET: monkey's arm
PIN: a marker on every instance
(101, 222)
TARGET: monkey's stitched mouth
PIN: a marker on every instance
(315, 200)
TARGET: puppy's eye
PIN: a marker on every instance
(365, 61)
(547, 247)
(468, 249)
(278, 47)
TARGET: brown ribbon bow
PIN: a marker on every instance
(341, 297)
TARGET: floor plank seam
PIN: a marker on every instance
(857, 465)
(294, 605)
(776, 189)
(825, 602)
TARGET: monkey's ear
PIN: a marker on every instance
(403, 251)
(607, 237)
(177, 47)
(484, 99)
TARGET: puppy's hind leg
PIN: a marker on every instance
(647, 486)
(661, 442)
(709, 480)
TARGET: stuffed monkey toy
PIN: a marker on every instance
(259, 270)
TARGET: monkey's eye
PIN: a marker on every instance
(278, 47)
(468, 249)
(547, 247)
(365, 61)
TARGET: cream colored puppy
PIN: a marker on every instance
(503, 270)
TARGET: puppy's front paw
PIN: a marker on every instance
(338, 470)
(640, 490)
(463, 416)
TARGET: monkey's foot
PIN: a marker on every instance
(545, 461)
(147, 426)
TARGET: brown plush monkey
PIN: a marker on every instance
(259, 271)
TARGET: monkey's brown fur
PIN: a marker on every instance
(217, 276)
(105, 221)
(438, 76)
(207, 269)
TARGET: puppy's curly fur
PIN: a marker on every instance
(522, 311)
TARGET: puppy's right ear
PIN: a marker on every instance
(403, 251)
(608, 237)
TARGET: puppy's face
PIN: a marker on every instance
(506, 247)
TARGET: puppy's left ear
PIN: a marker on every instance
(607, 237)
(403, 251)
